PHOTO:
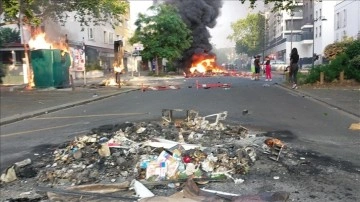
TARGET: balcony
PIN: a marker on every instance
(307, 37)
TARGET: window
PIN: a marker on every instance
(106, 37)
(111, 38)
(316, 15)
(344, 18)
(337, 21)
(90, 33)
(320, 13)
(316, 32)
(320, 31)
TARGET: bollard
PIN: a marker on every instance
(321, 78)
(72, 82)
(341, 76)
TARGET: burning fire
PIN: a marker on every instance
(203, 63)
(39, 42)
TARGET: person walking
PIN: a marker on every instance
(257, 67)
(267, 69)
(294, 67)
(252, 68)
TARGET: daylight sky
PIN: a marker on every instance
(231, 11)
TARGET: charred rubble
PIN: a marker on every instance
(170, 151)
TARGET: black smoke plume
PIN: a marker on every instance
(198, 15)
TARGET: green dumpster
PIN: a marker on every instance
(50, 67)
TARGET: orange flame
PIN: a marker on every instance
(203, 63)
(39, 41)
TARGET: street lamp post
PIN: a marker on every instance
(292, 27)
(321, 18)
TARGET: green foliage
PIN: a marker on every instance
(248, 34)
(163, 35)
(346, 57)
(335, 49)
(354, 68)
(331, 71)
(8, 35)
(277, 4)
(170, 67)
(353, 50)
(314, 74)
(301, 77)
(86, 11)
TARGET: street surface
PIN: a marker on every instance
(270, 108)
(303, 123)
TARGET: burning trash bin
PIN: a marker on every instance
(50, 67)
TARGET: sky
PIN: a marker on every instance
(231, 11)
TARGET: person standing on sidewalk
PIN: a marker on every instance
(267, 69)
(294, 67)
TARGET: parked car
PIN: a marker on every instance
(278, 65)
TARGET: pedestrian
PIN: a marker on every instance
(252, 68)
(257, 67)
(267, 70)
(294, 67)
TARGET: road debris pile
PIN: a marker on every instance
(171, 151)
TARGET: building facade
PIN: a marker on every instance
(310, 27)
(96, 41)
(347, 20)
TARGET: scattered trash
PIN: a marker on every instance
(355, 126)
(23, 163)
(141, 190)
(9, 175)
(192, 149)
(276, 147)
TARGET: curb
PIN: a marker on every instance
(13, 119)
(300, 92)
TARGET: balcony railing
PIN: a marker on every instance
(298, 14)
(307, 36)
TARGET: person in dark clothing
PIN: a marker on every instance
(257, 67)
(294, 67)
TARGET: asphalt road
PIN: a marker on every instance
(283, 113)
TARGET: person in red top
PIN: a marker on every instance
(267, 69)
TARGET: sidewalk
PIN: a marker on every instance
(346, 99)
(17, 103)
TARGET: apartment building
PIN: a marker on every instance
(309, 28)
(284, 32)
(347, 20)
(96, 42)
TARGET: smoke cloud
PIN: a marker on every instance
(199, 15)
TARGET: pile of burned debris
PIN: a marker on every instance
(169, 152)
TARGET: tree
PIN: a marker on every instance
(248, 34)
(163, 34)
(86, 11)
(277, 4)
(8, 35)
(337, 48)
